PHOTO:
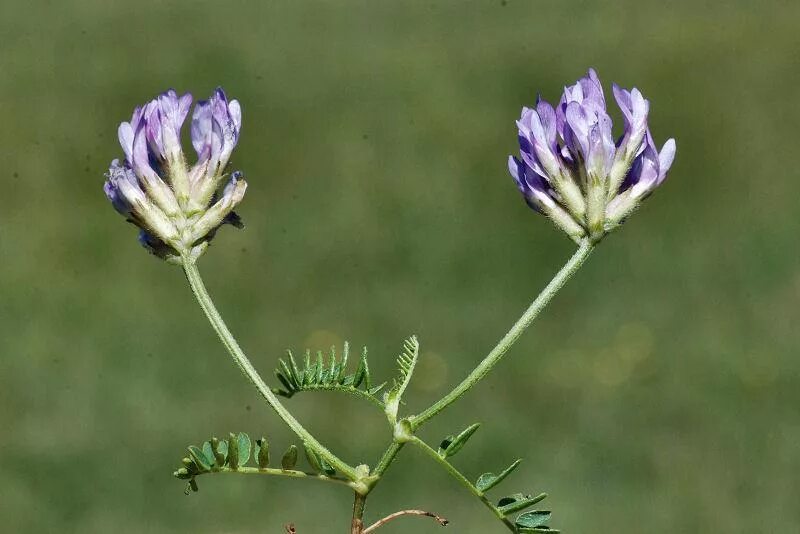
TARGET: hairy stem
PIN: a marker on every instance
(441, 520)
(558, 281)
(339, 388)
(241, 360)
(291, 473)
(357, 524)
(387, 458)
(455, 473)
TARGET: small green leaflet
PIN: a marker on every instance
(489, 480)
(451, 445)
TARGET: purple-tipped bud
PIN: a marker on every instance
(649, 170)
(112, 188)
(571, 168)
(216, 124)
(128, 197)
(172, 111)
(541, 197)
(174, 205)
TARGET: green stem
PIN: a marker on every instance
(455, 473)
(344, 389)
(387, 458)
(561, 278)
(241, 360)
(291, 473)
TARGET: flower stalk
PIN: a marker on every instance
(241, 360)
(567, 271)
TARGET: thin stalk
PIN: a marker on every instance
(455, 473)
(387, 458)
(291, 473)
(357, 524)
(241, 360)
(558, 281)
(344, 389)
(375, 526)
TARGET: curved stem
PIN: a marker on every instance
(558, 281)
(455, 473)
(441, 520)
(241, 360)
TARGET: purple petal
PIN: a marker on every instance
(217, 142)
(592, 91)
(543, 125)
(515, 168)
(235, 111)
(623, 98)
(634, 109)
(639, 106)
(141, 155)
(151, 124)
(222, 115)
(126, 131)
(125, 134)
(524, 145)
(607, 145)
(201, 127)
(595, 156)
(578, 127)
(171, 114)
(215, 129)
(665, 159)
(644, 172)
(561, 119)
(547, 116)
(174, 109)
(122, 188)
(533, 187)
(113, 194)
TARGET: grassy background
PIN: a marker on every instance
(658, 393)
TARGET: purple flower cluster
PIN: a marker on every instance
(178, 208)
(573, 170)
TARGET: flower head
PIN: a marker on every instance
(178, 208)
(573, 170)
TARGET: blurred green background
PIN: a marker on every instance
(658, 393)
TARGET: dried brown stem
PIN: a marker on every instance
(442, 521)
(357, 524)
